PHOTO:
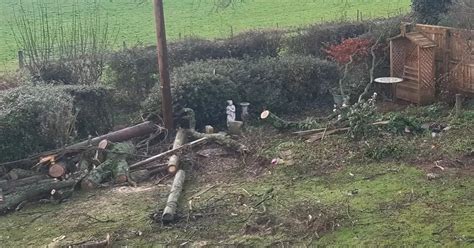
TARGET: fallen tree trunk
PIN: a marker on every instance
(9, 185)
(220, 139)
(173, 162)
(161, 155)
(16, 174)
(172, 203)
(125, 134)
(33, 192)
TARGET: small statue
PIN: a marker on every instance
(230, 111)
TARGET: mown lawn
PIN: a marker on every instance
(134, 22)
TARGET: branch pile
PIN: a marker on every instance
(104, 160)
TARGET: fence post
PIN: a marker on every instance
(21, 59)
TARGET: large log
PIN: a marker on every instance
(173, 162)
(172, 203)
(125, 134)
(9, 185)
(16, 174)
(33, 192)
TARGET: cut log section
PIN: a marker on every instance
(57, 170)
(172, 203)
(173, 162)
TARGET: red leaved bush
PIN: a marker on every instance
(355, 47)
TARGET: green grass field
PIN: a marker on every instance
(200, 18)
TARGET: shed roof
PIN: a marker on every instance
(418, 38)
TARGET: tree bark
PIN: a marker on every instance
(32, 192)
(10, 185)
(173, 162)
(16, 174)
(172, 203)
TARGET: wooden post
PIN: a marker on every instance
(21, 59)
(163, 64)
(458, 105)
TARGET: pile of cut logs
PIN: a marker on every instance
(54, 175)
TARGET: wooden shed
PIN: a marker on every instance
(432, 59)
(412, 58)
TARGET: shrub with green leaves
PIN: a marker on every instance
(92, 107)
(39, 118)
(280, 84)
(34, 119)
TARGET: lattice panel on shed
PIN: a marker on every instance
(398, 57)
(426, 70)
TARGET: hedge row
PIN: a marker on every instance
(281, 84)
(39, 118)
(135, 70)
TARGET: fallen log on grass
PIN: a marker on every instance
(33, 192)
(173, 162)
(172, 203)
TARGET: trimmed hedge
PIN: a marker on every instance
(34, 119)
(134, 71)
(39, 118)
(281, 84)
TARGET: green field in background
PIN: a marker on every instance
(135, 25)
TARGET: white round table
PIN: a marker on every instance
(391, 82)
